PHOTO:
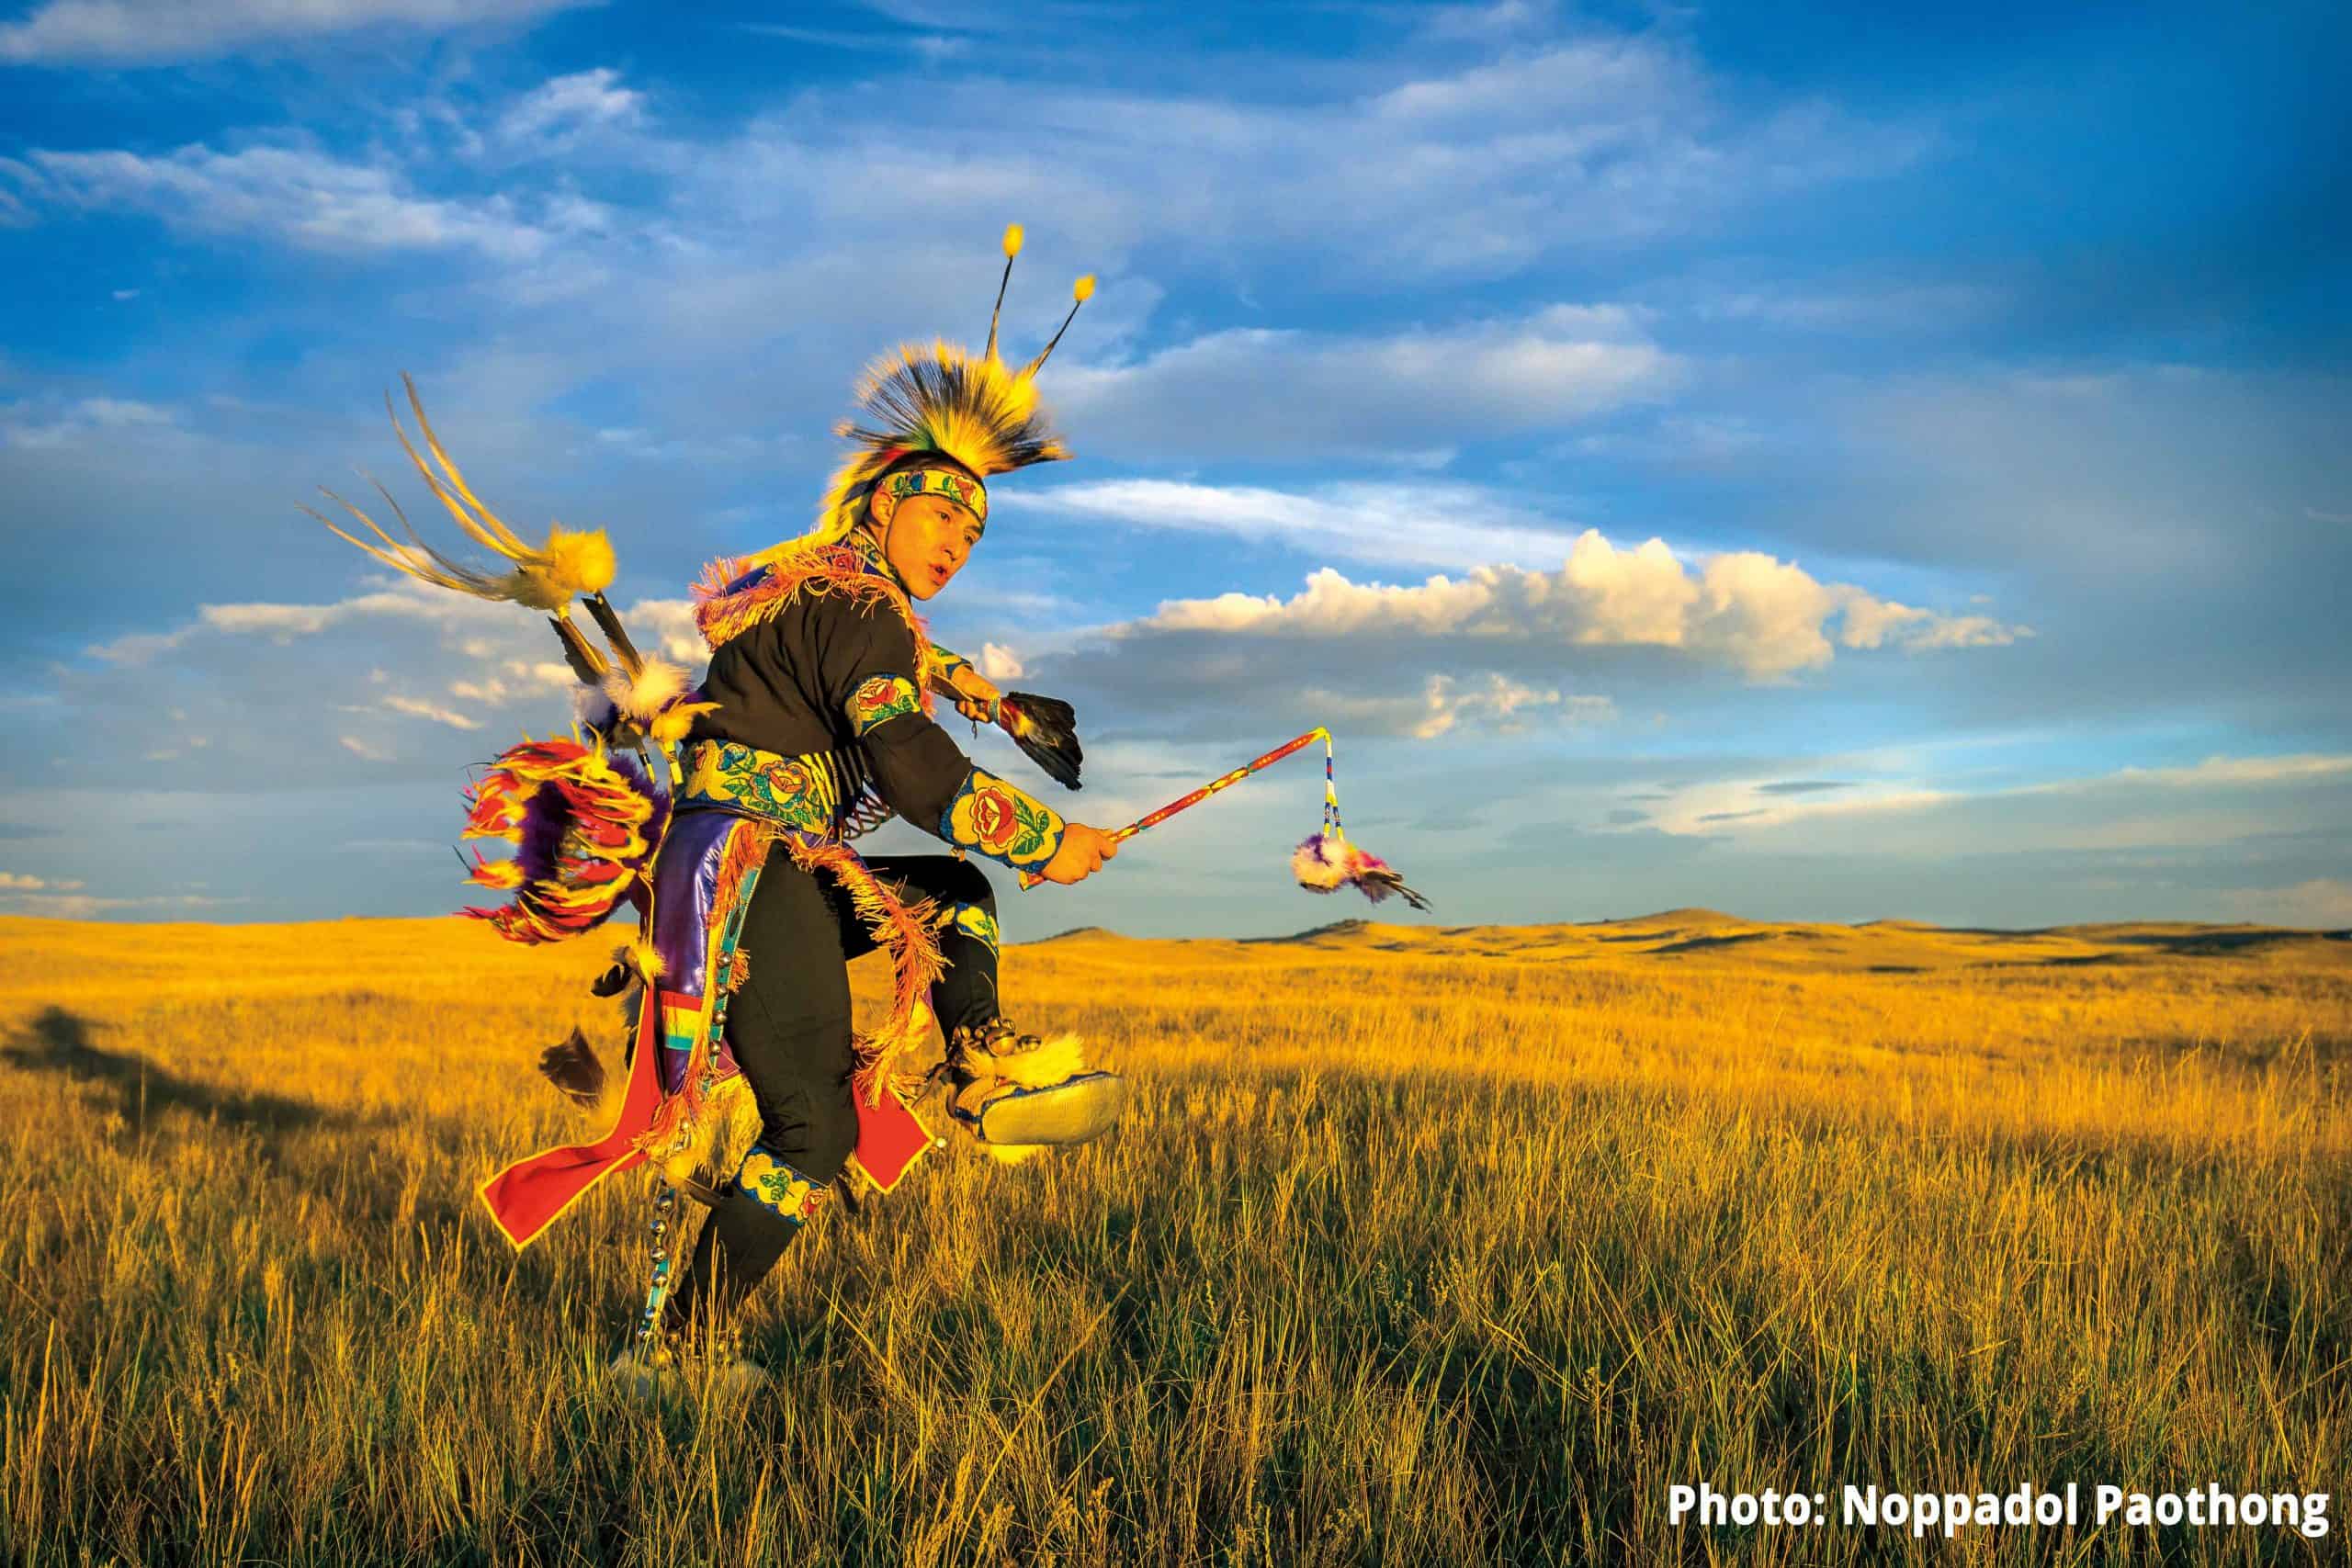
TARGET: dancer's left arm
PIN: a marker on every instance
(919, 770)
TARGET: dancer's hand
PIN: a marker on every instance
(1083, 851)
(975, 695)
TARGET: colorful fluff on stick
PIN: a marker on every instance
(1326, 862)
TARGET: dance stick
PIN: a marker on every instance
(1029, 880)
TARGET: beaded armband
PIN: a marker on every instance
(990, 817)
(880, 699)
(944, 665)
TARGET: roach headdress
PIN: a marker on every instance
(940, 398)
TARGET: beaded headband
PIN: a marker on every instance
(960, 489)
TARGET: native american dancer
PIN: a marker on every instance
(728, 831)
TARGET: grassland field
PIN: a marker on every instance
(1417, 1244)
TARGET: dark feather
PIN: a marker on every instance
(1047, 729)
(573, 1067)
(1379, 882)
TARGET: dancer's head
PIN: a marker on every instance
(927, 513)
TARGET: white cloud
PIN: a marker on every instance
(306, 198)
(150, 32)
(556, 114)
(932, 47)
(670, 623)
(82, 905)
(363, 750)
(1431, 171)
(416, 707)
(2322, 901)
(1423, 523)
(2200, 807)
(1285, 393)
(52, 423)
(1763, 616)
(1745, 808)
(1496, 701)
(999, 663)
(15, 882)
(2300, 768)
(1870, 306)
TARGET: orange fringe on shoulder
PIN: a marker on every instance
(901, 928)
(721, 615)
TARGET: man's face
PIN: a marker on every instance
(927, 540)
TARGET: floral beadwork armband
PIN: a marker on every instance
(879, 699)
(990, 817)
(944, 665)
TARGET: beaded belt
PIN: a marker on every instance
(801, 792)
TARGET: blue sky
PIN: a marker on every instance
(1867, 462)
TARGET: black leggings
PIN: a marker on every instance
(788, 1026)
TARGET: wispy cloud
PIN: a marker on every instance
(1278, 394)
(2323, 901)
(16, 882)
(556, 116)
(1405, 523)
(1442, 705)
(417, 707)
(156, 32)
(301, 196)
(52, 423)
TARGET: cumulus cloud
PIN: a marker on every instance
(153, 32)
(16, 882)
(1763, 616)
(999, 663)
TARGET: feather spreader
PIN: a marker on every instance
(1047, 729)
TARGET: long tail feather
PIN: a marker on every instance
(419, 559)
(493, 532)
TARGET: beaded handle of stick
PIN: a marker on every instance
(1330, 799)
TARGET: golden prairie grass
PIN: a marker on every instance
(1415, 1245)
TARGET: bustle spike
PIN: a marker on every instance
(1080, 292)
(1011, 249)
